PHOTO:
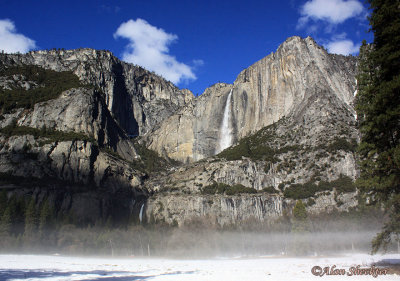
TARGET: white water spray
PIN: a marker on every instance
(225, 139)
(141, 214)
(355, 92)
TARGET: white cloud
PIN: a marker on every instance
(343, 47)
(148, 47)
(331, 11)
(198, 62)
(11, 41)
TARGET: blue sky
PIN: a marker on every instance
(191, 43)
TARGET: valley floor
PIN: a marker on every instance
(37, 267)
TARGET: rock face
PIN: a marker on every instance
(137, 99)
(75, 176)
(274, 87)
(192, 133)
(305, 98)
(220, 210)
(290, 115)
(232, 210)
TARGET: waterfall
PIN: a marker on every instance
(141, 213)
(355, 93)
(225, 139)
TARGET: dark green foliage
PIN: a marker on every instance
(301, 191)
(16, 211)
(3, 200)
(300, 224)
(215, 188)
(46, 218)
(378, 111)
(342, 144)
(31, 220)
(269, 189)
(238, 189)
(247, 148)
(149, 161)
(254, 147)
(342, 185)
(339, 143)
(8, 178)
(6, 221)
(308, 189)
(51, 84)
(222, 188)
(310, 202)
(263, 145)
(299, 211)
(50, 135)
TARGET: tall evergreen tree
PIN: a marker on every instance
(31, 220)
(300, 226)
(45, 219)
(3, 202)
(300, 218)
(378, 110)
(6, 222)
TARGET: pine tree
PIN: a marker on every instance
(300, 218)
(45, 219)
(300, 226)
(3, 202)
(378, 110)
(31, 220)
(6, 222)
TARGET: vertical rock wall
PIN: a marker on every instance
(273, 87)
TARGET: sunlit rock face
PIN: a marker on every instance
(193, 132)
(304, 91)
(234, 210)
(138, 99)
(219, 210)
(276, 86)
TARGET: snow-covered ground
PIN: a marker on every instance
(35, 267)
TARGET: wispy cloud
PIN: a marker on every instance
(148, 47)
(11, 41)
(109, 9)
(330, 11)
(318, 17)
(342, 47)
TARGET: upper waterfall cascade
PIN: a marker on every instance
(225, 138)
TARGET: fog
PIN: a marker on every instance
(195, 251)
(321, 235)
(201, 243)
(211, 244)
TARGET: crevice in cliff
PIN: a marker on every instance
(122, 102)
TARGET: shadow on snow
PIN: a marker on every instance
(20, 274)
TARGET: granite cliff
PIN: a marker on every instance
(284, 130)
(278, 85)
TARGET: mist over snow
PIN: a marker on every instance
(148, 47)
(59, 268)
